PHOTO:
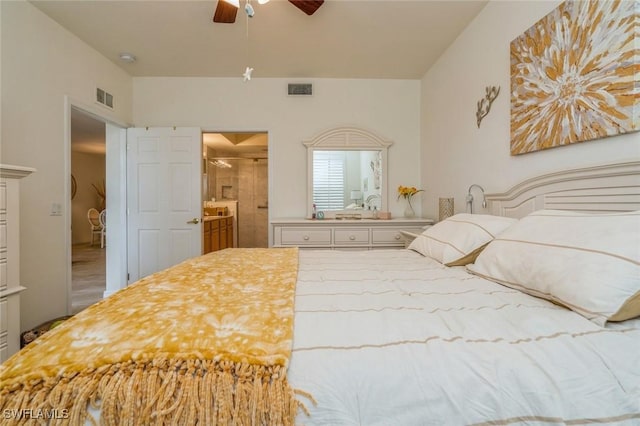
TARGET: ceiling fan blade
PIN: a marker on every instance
(225, 13)
(307, 6)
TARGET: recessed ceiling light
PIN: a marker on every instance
(127, 57)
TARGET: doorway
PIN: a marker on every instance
(88, 198)
(235, 173)
(89, 132)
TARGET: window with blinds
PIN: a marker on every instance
(328, 180)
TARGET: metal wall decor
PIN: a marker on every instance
(484, 104)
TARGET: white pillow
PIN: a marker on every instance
(458, 239)
(588, 262)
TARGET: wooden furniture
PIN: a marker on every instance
(373, 150)
(364, 234)
(223, 232)
(217, 233)
(230, 232)
(602, 188)
(206, 237)
(408, 237)
(228, 209)
(10, 287)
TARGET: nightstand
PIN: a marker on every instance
(408, 237)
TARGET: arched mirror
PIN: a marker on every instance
(347, 172)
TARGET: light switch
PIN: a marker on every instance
(56, 209)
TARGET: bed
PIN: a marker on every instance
(526, 316)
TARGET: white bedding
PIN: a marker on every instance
(394, 338)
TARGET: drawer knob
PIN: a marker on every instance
(352, 237)
(397, 237)
(306, 238)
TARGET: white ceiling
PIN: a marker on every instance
(343, 39)
(236, 145)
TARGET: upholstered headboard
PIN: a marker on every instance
(604, 188)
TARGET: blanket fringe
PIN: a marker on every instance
(157, 392)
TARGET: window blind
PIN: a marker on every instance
(328, 180)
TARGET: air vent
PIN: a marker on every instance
(303, 89)
(104, 98)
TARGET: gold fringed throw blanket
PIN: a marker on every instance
(205, 342)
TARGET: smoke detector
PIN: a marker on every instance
(127, 57)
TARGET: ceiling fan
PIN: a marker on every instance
(226, 10)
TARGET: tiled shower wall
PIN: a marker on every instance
(247, 182)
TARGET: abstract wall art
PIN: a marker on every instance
(575, 75)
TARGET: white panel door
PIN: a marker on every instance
(163, 198)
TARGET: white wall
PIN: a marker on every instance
(388, 108)
(455, 152)
(41, 63)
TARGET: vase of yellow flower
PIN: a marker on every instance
(407, 192)
(408, 210)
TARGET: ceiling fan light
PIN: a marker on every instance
(235, 3)
(263, 1)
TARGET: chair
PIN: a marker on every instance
(103, 224)
(93, 215)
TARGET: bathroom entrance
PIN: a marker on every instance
(235, 178)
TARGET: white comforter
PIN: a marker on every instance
(394, 338)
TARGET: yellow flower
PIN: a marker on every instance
(407, 192)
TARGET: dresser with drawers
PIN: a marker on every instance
(347, 234)
(10, 287)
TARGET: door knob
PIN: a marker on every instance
(194, 221)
